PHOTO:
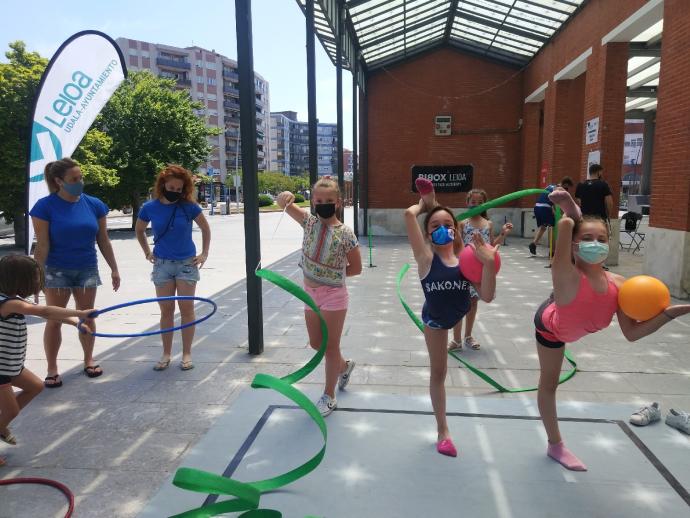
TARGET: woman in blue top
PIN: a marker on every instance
(446, 291)
(68, 225)
(175, 263)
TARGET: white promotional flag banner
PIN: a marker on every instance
(80, 78)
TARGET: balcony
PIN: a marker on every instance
(232, 133)
(231, 75)
(173, 63)
(232, 91)
(184, 82)
(232, 105)
(229, 119)
(260, 154)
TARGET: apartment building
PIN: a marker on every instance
(211, 79)
(289, 139)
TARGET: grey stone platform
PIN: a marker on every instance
(381, 461)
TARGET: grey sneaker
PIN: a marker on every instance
(345, 375)
(679, 420)
(646, 415)
(326, 405)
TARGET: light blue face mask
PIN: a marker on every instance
(73, 189)
(443, 235)
(592, 252)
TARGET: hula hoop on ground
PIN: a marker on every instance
(474, 370)
(147, 301)
(45, 482)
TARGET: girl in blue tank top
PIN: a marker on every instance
(446, 291)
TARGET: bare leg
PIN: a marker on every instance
(469, 326)
(9, 407)
(187, 315)
(457, 336)
(550, 361)
(85, 298)
(436, 340)
(52, 333)
(167, 317)
(539, 234)
(335, 363)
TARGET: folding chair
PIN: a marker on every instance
(630, 225)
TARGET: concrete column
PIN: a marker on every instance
(605, 90)
(668, 240)
(531, 149)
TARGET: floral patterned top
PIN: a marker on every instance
(468, 231)
(324, 251)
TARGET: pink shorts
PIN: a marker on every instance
(328, 298)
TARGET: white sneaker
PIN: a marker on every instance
(326, 405)
(646, 415)
(345, 375)
(679, 420)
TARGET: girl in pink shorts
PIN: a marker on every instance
(330, 253)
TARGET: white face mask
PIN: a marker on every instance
(592, 252)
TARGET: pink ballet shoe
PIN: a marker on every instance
(446, 447)
(562, 198)
(424, 186)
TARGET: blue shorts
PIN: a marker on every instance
(166, 270)
(64, 278)
(544, 216)
(446, 321)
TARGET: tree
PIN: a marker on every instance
(19, 80)
(151, 123)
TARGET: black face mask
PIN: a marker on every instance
(325, 210)
(172, 196)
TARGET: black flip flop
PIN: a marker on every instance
(91, 372)
(57, 382)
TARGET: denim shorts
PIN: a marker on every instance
(166, 270)
(64, 278)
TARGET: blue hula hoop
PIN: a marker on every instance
(147, 301)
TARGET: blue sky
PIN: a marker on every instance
(278, 33)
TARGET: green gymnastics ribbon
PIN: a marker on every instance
(465, 215)
(247, 494)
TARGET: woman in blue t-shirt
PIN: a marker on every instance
(68, 225)
(175, 263)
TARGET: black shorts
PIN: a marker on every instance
(539, 325)
(544, 216)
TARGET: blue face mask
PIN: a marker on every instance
(592, 252)
(443, 235)
(73, 189)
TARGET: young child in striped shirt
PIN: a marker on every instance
(21, 277)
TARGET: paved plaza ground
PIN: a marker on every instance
(116, 440)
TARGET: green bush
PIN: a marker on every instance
(299, 198)
(265, 200)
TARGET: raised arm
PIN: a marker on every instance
(566, 278)
(286, 201)
(420, 248)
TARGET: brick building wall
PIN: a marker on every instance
(403, 100)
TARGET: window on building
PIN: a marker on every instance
(133, 52)
(210, 65)
(145, 54)
(199, 63)
(211, 81)
(200, 79)
(211, 97)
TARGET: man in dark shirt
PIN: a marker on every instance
(594, 195)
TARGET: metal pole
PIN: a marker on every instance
(252, 246)
(364, 127)
(339, 97)
(311, 95)
(647, 153)
(355, 175)
(237, 172)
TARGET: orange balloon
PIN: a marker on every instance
(643, 297)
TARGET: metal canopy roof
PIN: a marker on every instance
(381, 32)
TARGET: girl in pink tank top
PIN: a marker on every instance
(584, 300)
